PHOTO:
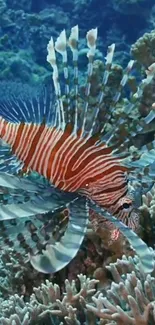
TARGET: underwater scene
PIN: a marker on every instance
(77, 162)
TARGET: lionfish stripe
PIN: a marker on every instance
(142, 250)
(23, 142)
(57, 256)
(91, 173)
(40, 148)
(36, 133)
(46, 157)
(8, 134)
(60, 155)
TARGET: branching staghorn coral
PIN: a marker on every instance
(130, 299)
(47, 301)
(147, 209)
(148, 202)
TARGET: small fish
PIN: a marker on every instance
(83, 169)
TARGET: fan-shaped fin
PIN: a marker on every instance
(57, 256)
(14, 182)
(30, 235)
(36, 205)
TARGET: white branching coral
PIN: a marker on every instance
(148, 202)
(47, 302)
(131, 298)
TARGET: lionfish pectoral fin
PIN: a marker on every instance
(36, 205)
(14, 182)
(57, 256)
(28, 227)
(23, 235)
(21, 210)
(142, 250)
(8, 161)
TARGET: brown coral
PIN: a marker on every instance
(143, 50)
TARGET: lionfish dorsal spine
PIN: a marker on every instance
(108, 64)
(123, 81)
(91, 43)
(73, 44)
(61, 48)
(51, 58)
(122, 84)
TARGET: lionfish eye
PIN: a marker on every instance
(126, 205)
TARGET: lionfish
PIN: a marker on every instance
(80, 170)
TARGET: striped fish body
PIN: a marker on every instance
(74, 164)
(71, 163)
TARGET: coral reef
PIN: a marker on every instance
(48, 302)
(148, 215)
(143, 52)
(17, 5)
(16, 276)
(129, 298)
(28, 25)
(23, 39)
(143, 49)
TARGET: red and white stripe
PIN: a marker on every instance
(70, 162)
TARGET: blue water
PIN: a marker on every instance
(28, 25)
